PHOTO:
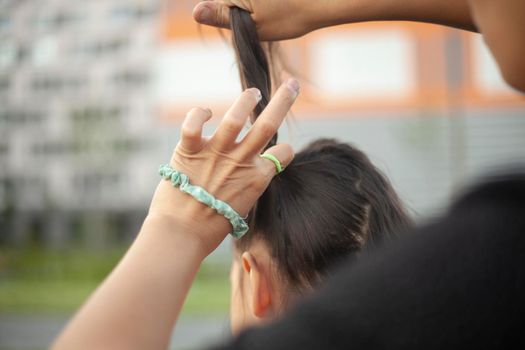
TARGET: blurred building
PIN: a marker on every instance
(76, 114)
(92, 93)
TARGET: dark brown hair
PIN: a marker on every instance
(253, 63)
(330, 203)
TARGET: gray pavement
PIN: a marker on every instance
(35, 332)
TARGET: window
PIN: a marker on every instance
(46, 83)
(96, 114)
(4, 148)
(95, 184)
(126, 14)
(45, 51)
(16, 117)
(352, 54)
(109, 46)
(5, 24)
(52, 148)
(56, 20)
(8, 53)
(126, 145)
(5, 83)
(54, 84)
(131, 78)
(149, 11)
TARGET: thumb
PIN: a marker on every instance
(213, 13)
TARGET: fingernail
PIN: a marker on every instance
(205, 14)
(257, 93)
(294, 85)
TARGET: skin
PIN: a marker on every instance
(256, 291)
(139, 302)
(275, 22)
(259, 292)
(500, 21)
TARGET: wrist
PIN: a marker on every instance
(175, 232)
(180, 213)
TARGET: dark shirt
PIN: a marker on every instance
(458, 282)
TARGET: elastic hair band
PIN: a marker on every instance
(180, 180)
(278, 167)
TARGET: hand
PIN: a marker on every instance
(231, 171)
(275, 19)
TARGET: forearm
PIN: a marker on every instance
(453, 13)
(138, 304)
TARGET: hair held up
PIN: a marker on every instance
(329, 204)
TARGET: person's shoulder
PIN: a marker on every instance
(503, 190)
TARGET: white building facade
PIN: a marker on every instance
(86, 85)
(77, 116)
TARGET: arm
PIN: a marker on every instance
(287, 19)
(138, 304)
(452, 13)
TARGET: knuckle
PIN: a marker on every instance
(190, 132)
(199, 112)
(232, 124)
(287, 152)
(222, 15)
(194, 111)
(287, 148)
(267, 128)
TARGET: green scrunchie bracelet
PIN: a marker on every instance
(180, 180)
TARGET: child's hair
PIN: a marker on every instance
(330, 203)
(254, 68)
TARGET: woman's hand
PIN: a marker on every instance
(275, 19)
(138, 303)
(231, 171)
(288, 19)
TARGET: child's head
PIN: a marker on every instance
(503, 28)
(329, 204)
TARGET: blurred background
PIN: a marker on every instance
(92, 94)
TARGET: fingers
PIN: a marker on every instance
(191, 131)
(284, 154)
(235, 119)
(213, 13)
(271, 118)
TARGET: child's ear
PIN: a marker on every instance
(260, 297)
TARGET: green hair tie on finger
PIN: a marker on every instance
(278, 167)
(182, 181)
